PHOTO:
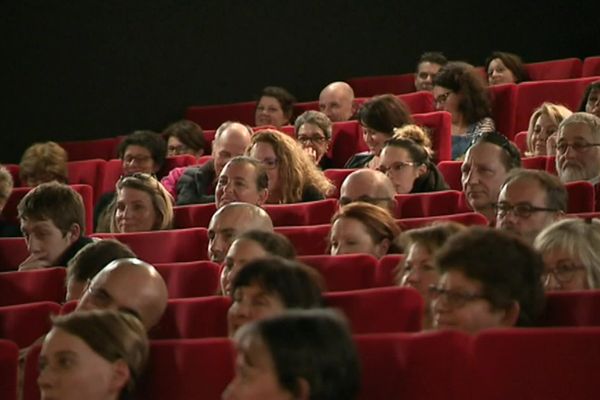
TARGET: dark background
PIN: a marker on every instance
(88, 69)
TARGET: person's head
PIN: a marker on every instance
(269, 286)
(306, 354)
(486, 166)
(129, 285)
(275, 107)
(578, 147)
(337, 101)
(488, 279)
(363, 228)
(427, 69)
(529, 201)
(459, 89)
(502, 67)
(404, 162)
(543, 123)
(142, 151)
(244, 179)
(52, 218)
(289, 167)
(43, 162)
(6, 186)
(231, 140)
(250, 246)
(96, 355)
(142, 204)
(571, 252)
(590, 102)
(313, 132)
(89, 261)
(231, 221)
(184, 137)
(368, 186)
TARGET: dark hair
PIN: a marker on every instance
(262, 179)
(434, 57)
(384, 113)
(511, 61)
(285, 98)
(418, 153)
(511, 157)
(508, 269)
(188, 132)
(297, 285)
(273, 243)
(313, 345)
(462, 78)
(592, 86)
(556, 192)
(94, 256)
(149, 140)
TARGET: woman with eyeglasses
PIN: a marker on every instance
(184, 137)
(408, 163)
(571, 252)
(313, 132)
(489, 279)
(293, 176)
(460, 90)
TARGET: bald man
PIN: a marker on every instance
(231, 221)
(128, 285)
(337, 101)
(369, 186)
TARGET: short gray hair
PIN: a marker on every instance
(316, 118)
(583, 118)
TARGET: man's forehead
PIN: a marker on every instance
(239, 170)
(37, 224)
(482, 152)
(229, 218)
(576, 131)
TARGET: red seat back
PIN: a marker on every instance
(25, 323)
(368, 86)
(520, 141)
(112, 172)
(572, 308)
(337, 176)
(581, 197)
(344, 272)
(298, 214)
(567, 68)
(195, 215)
(591, 66)
(439, 125)
(300, 108)
(190, 279)
(104, 149)
(387, 269)
(538, 162)
(9, 357)
(503, 108)
(346, 140)
(47, 284)
(427, 204)
(418, 102)
(13, 251)
(87, 172)
(452, 173)
(467, 219)
(307, 240)
(211, 117)
(184, 160)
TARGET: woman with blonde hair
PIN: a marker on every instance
(543, 124)
(43, 162)
(293, 176)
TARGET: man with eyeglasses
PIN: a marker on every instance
(578, 148)
(369, 186)
(529, 201)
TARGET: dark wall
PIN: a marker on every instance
(77, 70)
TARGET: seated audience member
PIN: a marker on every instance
(94, 355)
(142, 204)
(529, 201)
(129, 285)
(250, 246)
(229, 222)
(299, 355)
(577, 148)
(369, 186)
(52, 219)
(197, 184)
(274, 107)
(43, 162)
(485, 169)
(590, 102)
(337, 102)
(460, 90)
(89, 261)
(502, 67)
(489, 279)
(427, 68)
(378, 117)
(313, 132)
(418, 270)
(571, 252)
(141, 152)
(270, 286)
(6, 187)
(363, 228)
(184, 137)
(543, 124)
(244, 179)
(293, 176)
(409, 166)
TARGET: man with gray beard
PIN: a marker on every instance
(577, 148)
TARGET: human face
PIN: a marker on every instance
(472, 313)
(498, 73)
(252, 303)
(135, 211)
(241, 252)
(312, 137)
(138, 159)
(447, 100)
(70, 369)
(237, 183)
(563, 271)
(265, 153)
(419, 271)
(336, 104)
(524, 192)
(482, 176)
(45, 241)
(232, 142)
(543, 128)
(350, 236)
(426, 72)
(269, 112)
(374, 139)
(577, 165)
(369, 186)
(255, 374)
(397, 164)
(224, 227)
(176, 148)
(75, 289)
(593, 103)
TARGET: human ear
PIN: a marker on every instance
(382, 247)
(120, 376)
(511, 314)
(74, 233)
(263, 195)
(303, 389)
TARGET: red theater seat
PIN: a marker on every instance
(452, 173)
(344, 272)
(25, 323)
(520, 141)
(467, 219)
(581, 197)
(503, 108)
(14, 172)
(591, 66)
(568, 68)
(177, 162)
(190, 279)
(300, 108)
(439, 124)
(87, 172)
(112, 172)
(104, 149)
(47, 284)
(537, 162)
(572, 308)
(9, 357)
(418, 102)
(337, 176)
(427, 204)
(368, 86)
(346, 140)
(13, 251)
(551, 165)
(211, 117)
(298, 214)
(387, 269)
(307, 240)
(192, 216)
